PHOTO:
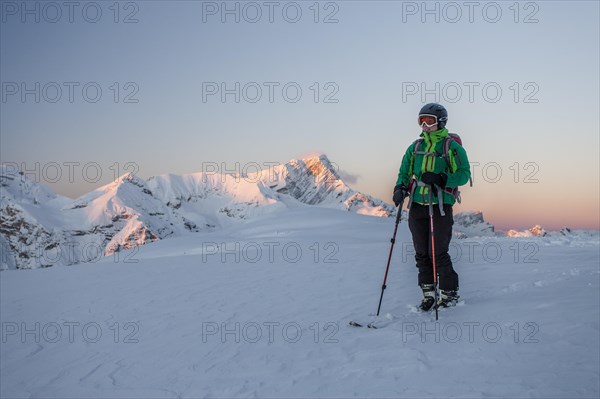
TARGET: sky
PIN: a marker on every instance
(92, 90)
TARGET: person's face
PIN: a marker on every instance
(428, 123)
(429, 129)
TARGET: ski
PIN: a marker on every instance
(372, 324)
(376, 322)
(390, 319)
(375, 325)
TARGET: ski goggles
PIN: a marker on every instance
(427, 120)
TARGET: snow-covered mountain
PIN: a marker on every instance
(40, 228)
(125, 214)
(535, 231)
(315, 181)
(472, 224)
(30, 221)
(564, 236)
(567, 232)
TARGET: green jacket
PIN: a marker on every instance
(416, 164)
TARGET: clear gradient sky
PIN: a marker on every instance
(368, 59)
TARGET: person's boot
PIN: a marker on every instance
(428, 297)
(448, 298)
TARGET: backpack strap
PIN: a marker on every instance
(447, 143)
(446, 155)
(414, 184)
(446, 149)
(417, 151)
(418, 143)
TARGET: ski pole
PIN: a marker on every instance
(435, 280)
(393, 240)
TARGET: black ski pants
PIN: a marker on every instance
(419, 225)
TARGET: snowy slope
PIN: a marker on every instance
(260, 309)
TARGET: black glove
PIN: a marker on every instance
(400, 192)
(439, 179)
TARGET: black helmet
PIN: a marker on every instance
(438, 110)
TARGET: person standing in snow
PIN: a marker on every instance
(432, 162)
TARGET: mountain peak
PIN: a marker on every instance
(320, 165)
(472, 223)
(121, 182)
(535, 231)
(316, 158)
(17, 184)
(130, 177)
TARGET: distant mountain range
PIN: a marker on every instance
(40, 228)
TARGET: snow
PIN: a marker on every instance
(180, 317)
